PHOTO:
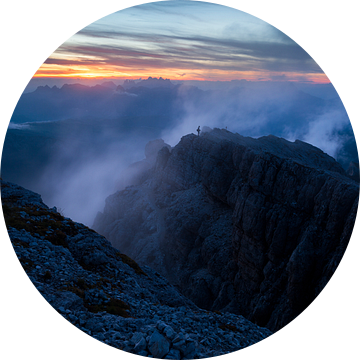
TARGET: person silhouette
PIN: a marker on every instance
(198, 130)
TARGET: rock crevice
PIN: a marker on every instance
(251, 226)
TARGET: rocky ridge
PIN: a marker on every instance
(250, 226)
(108, 295)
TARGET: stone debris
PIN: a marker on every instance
(109, 296)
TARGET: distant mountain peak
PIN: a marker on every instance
(109, 84)
(156, 82)
(75, 86)
(150, 82)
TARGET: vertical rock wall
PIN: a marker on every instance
(252, 226)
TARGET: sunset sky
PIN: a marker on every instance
(182, 41)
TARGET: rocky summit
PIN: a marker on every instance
(254, 227)
(108, 295)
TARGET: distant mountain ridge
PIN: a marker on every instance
(80, 101)
(77, 101)
(252, 109)
(59, 133)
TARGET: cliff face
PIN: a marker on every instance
(251, 226)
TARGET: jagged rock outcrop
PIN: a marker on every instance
(353, 171)
(136, 173)
(108, 295)
(251, 226)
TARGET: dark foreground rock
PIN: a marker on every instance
(108, 295)
(250, 226)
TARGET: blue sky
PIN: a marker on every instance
(182, 40)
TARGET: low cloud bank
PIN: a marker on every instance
(18, 126)
(79, 180)
(259, 109)
(75, 164)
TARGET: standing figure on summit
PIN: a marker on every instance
(198, 130)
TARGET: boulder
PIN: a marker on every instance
(158, 345)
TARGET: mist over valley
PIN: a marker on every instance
(73, 143)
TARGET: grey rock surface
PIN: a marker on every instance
(158, 345)
(250, 226)
(108, 295)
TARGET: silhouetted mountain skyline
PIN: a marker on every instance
(82, 138)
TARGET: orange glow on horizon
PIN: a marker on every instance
(101, 71)
(174, 74)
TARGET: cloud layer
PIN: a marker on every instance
(76, 160)
(167, 39)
